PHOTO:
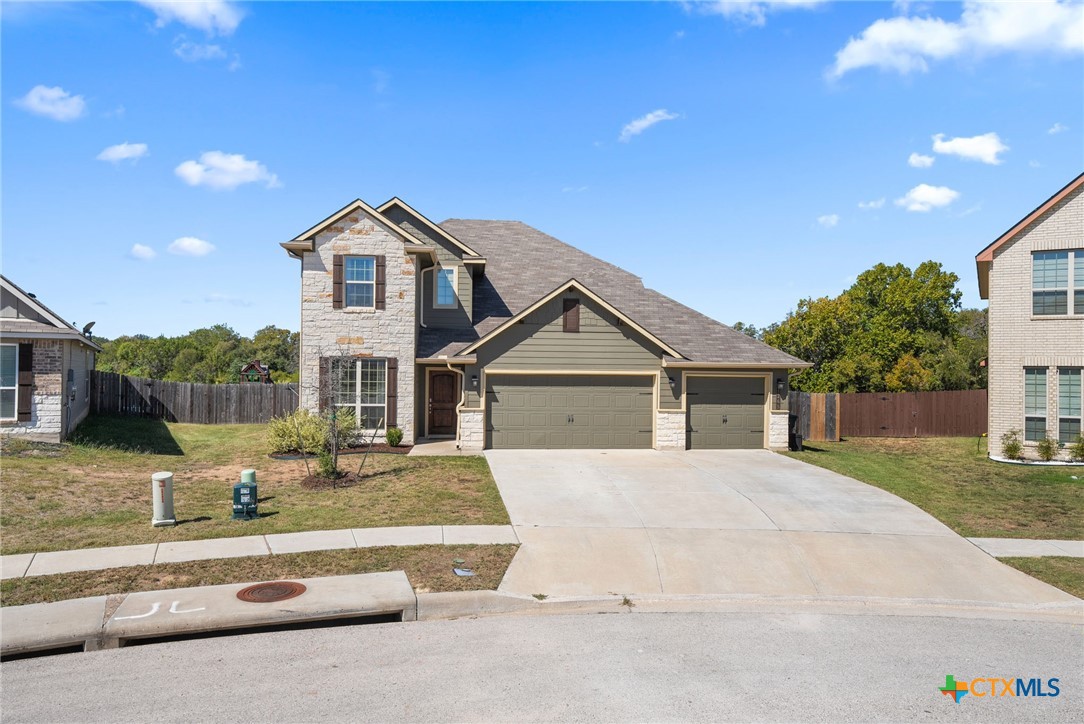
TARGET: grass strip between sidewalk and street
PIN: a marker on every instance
(428, 567)
(1062, 572)
(954, 481)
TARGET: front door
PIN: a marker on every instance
(442, 402)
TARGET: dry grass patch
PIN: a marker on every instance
(429, 569)
(954, 481)
(96, 491)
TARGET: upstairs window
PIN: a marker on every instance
(360, 281)
(1057, 283)
(1069, 404)
(1034, 403)
(445, 292)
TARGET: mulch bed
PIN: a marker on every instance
(377, 448)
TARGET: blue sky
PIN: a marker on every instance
(737, 156)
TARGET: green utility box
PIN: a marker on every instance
(245, 497)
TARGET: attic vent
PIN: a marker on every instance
(572, 315)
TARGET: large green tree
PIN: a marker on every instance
(893, 330)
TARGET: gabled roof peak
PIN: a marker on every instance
(396, 201)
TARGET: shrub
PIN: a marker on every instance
(395, 436)
(346, 427)
(1011, 447)
(1076, 450)
(1047, 448)
(325, 465)
(283, 432)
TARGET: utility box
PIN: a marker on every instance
(245, 497)
(162, 500)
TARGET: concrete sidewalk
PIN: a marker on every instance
(1029, 548)
(95, 559)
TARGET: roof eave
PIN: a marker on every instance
(987, 254)
(433, 225)
(693, 364)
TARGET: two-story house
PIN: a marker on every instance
(500, 336)
(1033, 277)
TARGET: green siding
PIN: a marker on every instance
(670, 395)
(568, 411)
(540, 343)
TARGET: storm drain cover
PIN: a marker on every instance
(271, 592)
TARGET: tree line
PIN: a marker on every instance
(213, 354)
(893, 330)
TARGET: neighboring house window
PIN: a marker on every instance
(1069, 404)
(361, 386)
(1057, 283)
(446, 296)
(360, 281)
(1034, 403)
(9, 380)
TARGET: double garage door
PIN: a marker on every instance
(615, 411)
(569, 411)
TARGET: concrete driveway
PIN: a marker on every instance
(732, 522)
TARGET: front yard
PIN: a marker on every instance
(97, 491)
(952, 480)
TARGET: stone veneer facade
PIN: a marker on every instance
(1017, 338)
(670, 430)
(47, 409)
(778, 430)
(330, 332)
(472, 430)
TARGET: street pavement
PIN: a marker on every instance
(627, 666)
(733, 522)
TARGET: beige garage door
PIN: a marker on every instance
(725, 412)
(568, 411)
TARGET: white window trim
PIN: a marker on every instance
(455, 288)
(357, 404)
(15, 387)
(346, 283)
(1079, 418)
(1046, 403)
(1069, 290)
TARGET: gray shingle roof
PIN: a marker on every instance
(523, 265)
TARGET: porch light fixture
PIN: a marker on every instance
(474, 380)
(670, 380)
(779, 385)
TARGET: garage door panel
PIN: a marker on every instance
(726, 412)
(570, 411)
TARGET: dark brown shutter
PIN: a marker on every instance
(26, 380)
(324, 384)
(392, 385)
(337, 281)
(572, 315)
(381, 282)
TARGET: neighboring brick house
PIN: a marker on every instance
(497, 335)
(1033, 276)
(45, 366)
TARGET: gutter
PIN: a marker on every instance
(462, 397)
(689, 364)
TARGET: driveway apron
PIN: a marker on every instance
(737, 522)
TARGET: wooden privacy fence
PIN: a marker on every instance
(116, 394)
(949, 413)
(814, 415)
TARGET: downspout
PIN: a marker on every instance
(421, 301)
(462, 396)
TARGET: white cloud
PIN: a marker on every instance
(210, 16)
(123, 152)
(875, 204)
(191, 246)
(141, 252)
(983, 148)
(751, 12)
(219, 298)
(917, 160)
(967, 212)
(55, 103)
(925, 197)
(828, 220)
(191, 52)
(1057, 128)
(908, 44)
(220, 170)
(573, 189)
(1035, 164)
(641, 124)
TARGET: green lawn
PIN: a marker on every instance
(952, 479)
(1061, 572)
(96, 491)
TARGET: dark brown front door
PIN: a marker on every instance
(442, 401)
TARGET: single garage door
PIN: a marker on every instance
(568, 411)
(725, 413)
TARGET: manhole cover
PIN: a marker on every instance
(271, 592)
